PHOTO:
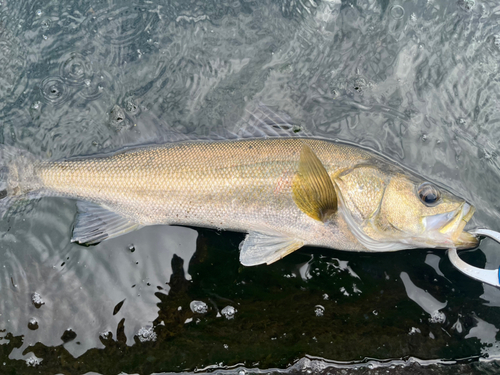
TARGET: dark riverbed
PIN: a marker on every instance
(415, 80)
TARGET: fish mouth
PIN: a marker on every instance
(451, 226)
(461, 238)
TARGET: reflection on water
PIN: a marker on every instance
(426, 301)
(85, 290)
(416, 80)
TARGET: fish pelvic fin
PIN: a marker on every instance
(312, 187)
(18, 179)
(95, 223)
(260, 248)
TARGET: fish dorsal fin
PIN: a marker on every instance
(260, 248)
(96, 223)
(313, 190)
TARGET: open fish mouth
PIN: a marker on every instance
(451, 226)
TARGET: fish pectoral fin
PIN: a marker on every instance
(96, 223)
(260, 248)
(313, 190)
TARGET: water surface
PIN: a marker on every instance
(415, 80)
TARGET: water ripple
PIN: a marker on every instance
(54, 90)
(76, 69)
(13, 58)
(416, 81)
(92, 89)
(123, 26)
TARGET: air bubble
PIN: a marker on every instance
(68, 335)
(146, 334)
(131, 106)
(198, 307)
(319, 310)
(397, 12)
(39, 12)
(37, 300)
(414, 330)
(117, 119)
(229, 312)
(33, 324)
(437, 317)
(33, 361)
(35, 110)
(106, 335)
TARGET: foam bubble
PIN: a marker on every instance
(229, 312)
(146, 334)
(37, 300)
(198, 307)
(319, 310)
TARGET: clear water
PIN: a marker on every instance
(416, 80)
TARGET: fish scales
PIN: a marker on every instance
(236, 185)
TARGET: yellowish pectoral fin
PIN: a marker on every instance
(313, 190)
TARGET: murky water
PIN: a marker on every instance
(416, 80)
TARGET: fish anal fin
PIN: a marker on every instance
(260, 248)
(313, 190)
(96, 223)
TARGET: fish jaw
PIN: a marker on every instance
(447, 229)
(463, 239)
(466, 240)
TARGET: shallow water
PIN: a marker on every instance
(415, 80)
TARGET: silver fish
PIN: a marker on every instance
(285, 192)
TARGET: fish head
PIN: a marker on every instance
(392, 210)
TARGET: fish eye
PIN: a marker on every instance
(429, 194)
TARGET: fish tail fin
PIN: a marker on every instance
(18, 180)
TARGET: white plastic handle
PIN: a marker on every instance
(490, 277)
